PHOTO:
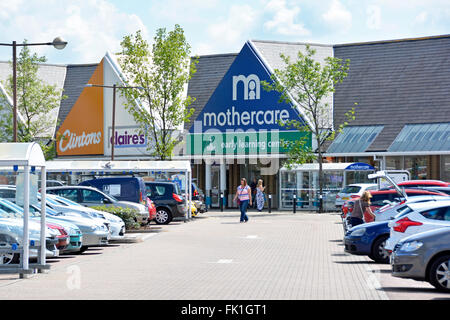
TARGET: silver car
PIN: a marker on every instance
(116, 224)
(11, 232)
(89, 197)
(424, 256)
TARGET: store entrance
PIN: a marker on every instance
(215, 186)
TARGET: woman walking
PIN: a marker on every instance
(244, 198)
(260, 199)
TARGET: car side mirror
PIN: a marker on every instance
(106, 201)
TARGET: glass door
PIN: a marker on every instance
(215, 186)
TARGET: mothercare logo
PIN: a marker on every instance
(72, 141)
(252, 86)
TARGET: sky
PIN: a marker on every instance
(93, 27)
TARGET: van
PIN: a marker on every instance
(122, 188)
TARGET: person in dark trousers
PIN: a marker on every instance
(244, 198)
(253, 187)
(360, 206)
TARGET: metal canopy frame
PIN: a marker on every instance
(127, 166)
(27, 157)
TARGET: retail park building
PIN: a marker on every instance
(402, 115)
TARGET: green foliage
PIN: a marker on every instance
(129, 216)
(35, 100)
(164, 71)
(306, 85)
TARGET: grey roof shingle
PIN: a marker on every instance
(77, 76)
(210, 71)
(395, 83)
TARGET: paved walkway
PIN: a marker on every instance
(273, 256)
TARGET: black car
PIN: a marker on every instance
(168, 200)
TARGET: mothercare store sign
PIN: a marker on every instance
(241, 117)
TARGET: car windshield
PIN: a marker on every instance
(351, 189)
(66, 201)
(404, 211)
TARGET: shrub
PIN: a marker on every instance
(129, 216)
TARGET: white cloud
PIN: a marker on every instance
(373, 17)
(90, 27)
(283, 21)
(338, 17)
(229, 32)
(421, 17)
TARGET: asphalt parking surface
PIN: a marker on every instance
(277, 256)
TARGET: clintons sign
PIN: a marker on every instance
(70, 141)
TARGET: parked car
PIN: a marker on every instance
(116, 224)
(353, 191)
(17, 212)
(168, 200)
(424, 256)
(418, 217)
(51, 183)
(11, 232)
(390, 210)
(121, 188)
(445, 190)
(422, 183)
(94, 234)
(382, 197)
(368, 239)
(89, 196)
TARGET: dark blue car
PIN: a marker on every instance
(368, 239)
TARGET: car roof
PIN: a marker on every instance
(361, 184)
(419, 206)
(75, 187)
(160, 182)
(408, 191)
(424, 182)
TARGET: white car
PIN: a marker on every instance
(392, 209)
(418, 217)
(116, 224)
(353, 191)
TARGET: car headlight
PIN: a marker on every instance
(358, 233)
(411, 246)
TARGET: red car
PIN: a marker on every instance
(63, 237)
(379, 196)
(422, 183)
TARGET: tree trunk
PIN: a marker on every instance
(320, 179)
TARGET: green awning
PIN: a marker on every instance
(422, 137)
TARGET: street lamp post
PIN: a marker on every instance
(113, 121)
(58, 43)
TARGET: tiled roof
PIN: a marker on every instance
(395, 83)
(210, 70)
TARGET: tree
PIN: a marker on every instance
(163, 72)
(35, 100)
(307, 84)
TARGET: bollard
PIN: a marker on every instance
(294, 198)
(221, 202)
(270, 203)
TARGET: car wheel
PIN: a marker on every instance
(379, 253)
(162, 216)
(9, 258)
(439, 274)
(82, 249)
